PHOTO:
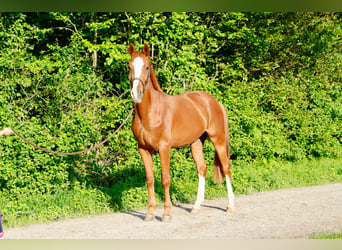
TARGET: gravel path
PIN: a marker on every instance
(289, 213)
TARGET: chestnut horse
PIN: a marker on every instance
(162, 122)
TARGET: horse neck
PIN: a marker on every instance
(152, 97)
(154, 80)
(151, 101)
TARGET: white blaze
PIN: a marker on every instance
(138, 64)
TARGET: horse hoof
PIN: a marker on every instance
(230, 209)
(149, 218)
(166, 219)
(195, 211)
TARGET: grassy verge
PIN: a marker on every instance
(272, 175)
(62, 204)
(131, 193)
(324, 235)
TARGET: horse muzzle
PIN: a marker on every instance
(138, 89)
(136, 96)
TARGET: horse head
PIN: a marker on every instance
(139, 71)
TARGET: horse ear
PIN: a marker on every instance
(146, 50)
(131, 48)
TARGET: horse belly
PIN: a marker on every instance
(186, 129)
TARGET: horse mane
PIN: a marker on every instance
(154, 79)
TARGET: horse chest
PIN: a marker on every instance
(145, 136)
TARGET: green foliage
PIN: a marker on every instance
(325, 235)
(61, 204)
(270, 175)
(64, 85)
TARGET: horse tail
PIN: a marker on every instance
(218, 175)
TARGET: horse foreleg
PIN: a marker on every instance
(164, 154)
(146, 156)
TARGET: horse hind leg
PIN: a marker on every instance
(197, 154)
(222, 153)
(222, 167)
(231, 197)
(225, 169)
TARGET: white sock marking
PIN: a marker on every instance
(200, 192)
(231, 195)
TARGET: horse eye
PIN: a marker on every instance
(147, 68)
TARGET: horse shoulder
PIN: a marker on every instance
(148, 133)
(136, 126)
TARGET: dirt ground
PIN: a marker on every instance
(285, 214)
